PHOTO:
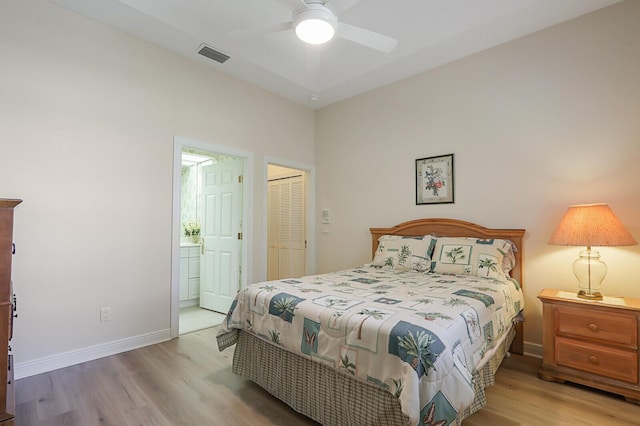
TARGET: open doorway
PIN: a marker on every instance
(211, 249)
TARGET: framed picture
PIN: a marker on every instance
(434, 180)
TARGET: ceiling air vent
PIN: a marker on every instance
(211, 53)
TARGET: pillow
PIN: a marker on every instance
(404, 253)
(472, 256)
(509, 260)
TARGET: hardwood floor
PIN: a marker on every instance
(186, 381)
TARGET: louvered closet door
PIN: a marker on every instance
(286, 257)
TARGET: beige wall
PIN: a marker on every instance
(88, 117)
(545, 121)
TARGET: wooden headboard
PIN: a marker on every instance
(459, 228)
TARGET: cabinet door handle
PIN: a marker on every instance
(593, 327)
(13, 248)
(593, 359)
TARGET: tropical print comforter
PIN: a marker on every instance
(418, 335)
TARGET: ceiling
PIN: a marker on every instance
(429, 33)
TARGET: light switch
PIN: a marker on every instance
(326, 216)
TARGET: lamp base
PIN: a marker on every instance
(590, 271)
(590, 296)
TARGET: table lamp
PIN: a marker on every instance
(590, 225)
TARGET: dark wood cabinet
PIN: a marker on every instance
(7, 307)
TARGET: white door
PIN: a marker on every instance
(287, 241)
(221, 234)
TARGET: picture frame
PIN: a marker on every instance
(434, 180)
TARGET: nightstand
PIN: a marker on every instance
(591, 343)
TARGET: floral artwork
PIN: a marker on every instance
(434, 180)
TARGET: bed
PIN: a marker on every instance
(413, 337)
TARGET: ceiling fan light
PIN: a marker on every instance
(314, 31)
(315, 24)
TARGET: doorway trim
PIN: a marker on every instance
(310, 210)
(179, 144)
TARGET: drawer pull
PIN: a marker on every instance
(592, 327)
(593, 359)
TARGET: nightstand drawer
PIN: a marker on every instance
(607, 327)
(609, 362)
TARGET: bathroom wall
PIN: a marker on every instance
(190, 194)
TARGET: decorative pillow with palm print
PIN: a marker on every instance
(404, 253)
(471, 256)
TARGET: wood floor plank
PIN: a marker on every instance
(187, 381)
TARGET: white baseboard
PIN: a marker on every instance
(65, 359)
(532, 349)
(189, 303)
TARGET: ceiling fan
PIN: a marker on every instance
(316, 22)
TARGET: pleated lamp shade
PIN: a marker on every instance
(591, 225)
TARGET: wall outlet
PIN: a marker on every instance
(105, 314)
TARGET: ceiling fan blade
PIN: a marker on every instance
(292, 4)
(341, 6)
(256, 31)
(367, 38)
